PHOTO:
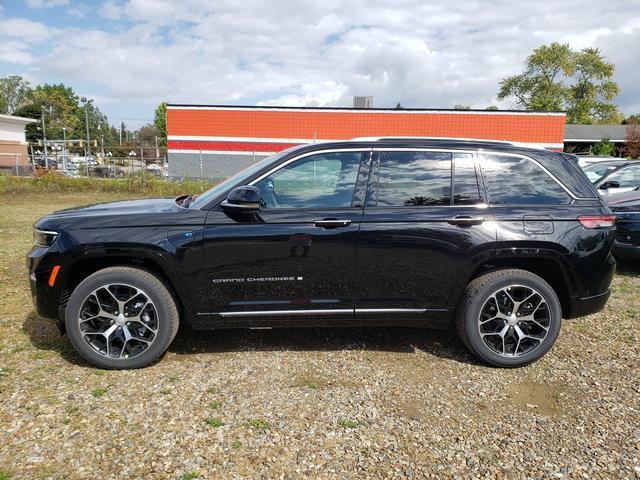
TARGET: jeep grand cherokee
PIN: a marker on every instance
(499, 241)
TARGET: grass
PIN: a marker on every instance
(259, 423)
(215, 405)
(214, 422)
(189, 476)
(141, 185)
(4, 475)
(100, 391)
(236, 444)
(346, 423)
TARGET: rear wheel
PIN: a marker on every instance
(509, 318)
(121, 318)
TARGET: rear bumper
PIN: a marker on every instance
(587, 305)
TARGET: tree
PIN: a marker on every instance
(398, 106)
(491, 107)
(559, 78)
(632, 141)
(461, 107)
(160, 121)
(14, 91)
(632, 120)
(604, 148)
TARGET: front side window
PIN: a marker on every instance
(413, 179)
(512, 180)
(324, 180)
(628, 177)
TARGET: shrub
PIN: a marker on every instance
(143, 185)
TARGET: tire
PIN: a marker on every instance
(139, 335)
(487, 300)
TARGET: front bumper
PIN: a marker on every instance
(40, 262)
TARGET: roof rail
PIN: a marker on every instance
(459, 139)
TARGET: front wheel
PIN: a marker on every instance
(121, 318)
(509, 318)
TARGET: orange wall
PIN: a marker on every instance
(345, 124)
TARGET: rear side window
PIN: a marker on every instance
(407, 179)
(512, 180)
(466, 187)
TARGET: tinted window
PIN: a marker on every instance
(518, 181)
(628, 177)
(316, 181)
(413, 179)
(596, 171)
(466, 188)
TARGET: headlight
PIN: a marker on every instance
(44, 238)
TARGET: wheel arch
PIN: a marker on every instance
(80, 268)
(548, 268)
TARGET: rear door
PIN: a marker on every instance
(425, 225)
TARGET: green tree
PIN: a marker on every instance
(604, 148)
(559, 78)
(398, 106)
(461, 107)
(632, 120)
(14, 92)
(160, 121)
(491, 107)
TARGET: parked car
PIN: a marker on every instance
(615, 176)
(626, 207)
(584, 160)
(501, 242)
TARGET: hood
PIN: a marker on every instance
(123, 214)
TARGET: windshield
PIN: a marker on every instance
(238, 178)
(598, 171)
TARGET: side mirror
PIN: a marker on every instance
(246, 199)
(609, 184)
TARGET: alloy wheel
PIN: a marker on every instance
(118, 321)
(514, 321)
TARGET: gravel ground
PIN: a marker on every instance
(319, 403)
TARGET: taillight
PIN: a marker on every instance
(597, 221)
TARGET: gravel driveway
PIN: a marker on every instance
(318, 403)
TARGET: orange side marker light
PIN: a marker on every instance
(54, 275)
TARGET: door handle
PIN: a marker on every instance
(331, 223)
(465, 220)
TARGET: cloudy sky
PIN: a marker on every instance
(131, 54)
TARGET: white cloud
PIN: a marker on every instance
(320, 52)
(46, 3)
(23, 29)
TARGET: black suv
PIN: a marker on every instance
(499, 241)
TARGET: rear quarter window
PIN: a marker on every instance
(515, 180)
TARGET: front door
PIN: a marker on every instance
(422, 233)
(295, 258)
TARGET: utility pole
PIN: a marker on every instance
(64, 149)
(44, 139)
(157, 151)
(86, 122)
